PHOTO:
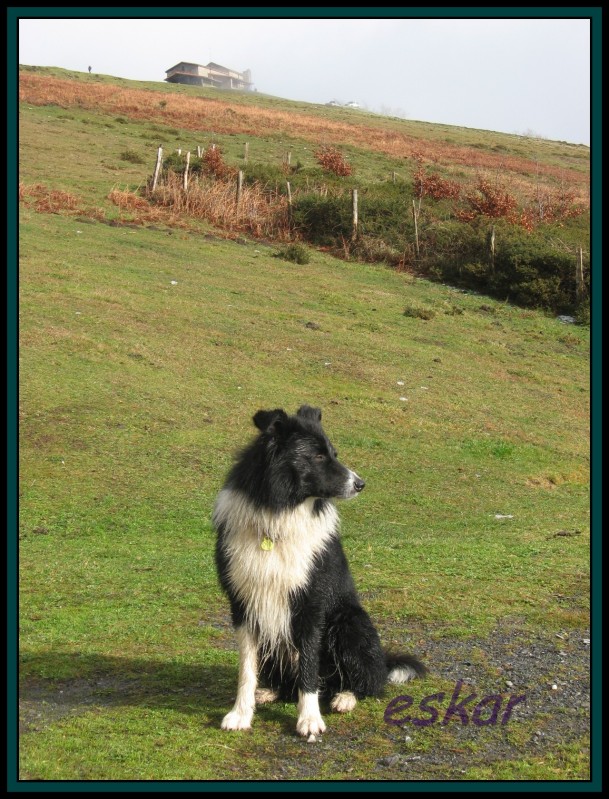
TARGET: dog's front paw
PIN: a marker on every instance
(310, 725)
(237, 721)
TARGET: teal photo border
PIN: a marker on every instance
(13, 15)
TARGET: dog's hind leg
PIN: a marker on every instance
(266, 695)
(240, 717)
(354, 646)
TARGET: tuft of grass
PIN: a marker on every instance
(296, 253)
(419, 312)
(132, 157)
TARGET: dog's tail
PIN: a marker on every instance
(402, 668)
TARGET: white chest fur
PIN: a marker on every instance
(264, 579)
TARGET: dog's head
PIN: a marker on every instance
(300, 453)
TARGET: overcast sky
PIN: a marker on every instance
(510, 75)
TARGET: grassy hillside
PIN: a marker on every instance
(147, 343)
(301, 116)
(469, 188)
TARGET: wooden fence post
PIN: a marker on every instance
(186, 171)
(157, 169)
(199, 153)
(415, 216)
(246, 152)
(492, 245)
(355, 219)
(239, 186)
(289, 190)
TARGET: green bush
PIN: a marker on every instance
(527, 268)
(386, 216)
(582, 313)
(453, 252)
(374, 250)
(419, 312)
(132, 156)
(529, 272)
(176, 162)
(324, 221)
(296, 253)
(266, 175)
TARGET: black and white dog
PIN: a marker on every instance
(298, 618)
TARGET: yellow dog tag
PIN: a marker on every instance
(266, 544)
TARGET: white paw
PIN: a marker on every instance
(237, 721)
(310, 725)
(264, 695)
(343, 702)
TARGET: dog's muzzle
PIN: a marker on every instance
(353, 486)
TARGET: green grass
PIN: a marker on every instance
(144, 354)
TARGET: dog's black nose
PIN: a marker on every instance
(359, 484)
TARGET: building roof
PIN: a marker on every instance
(187, 63)
(211, 65)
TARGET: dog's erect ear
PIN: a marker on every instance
(270, 421)
(307, 412)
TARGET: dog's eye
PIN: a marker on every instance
(320, 457)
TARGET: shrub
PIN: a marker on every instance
(528, 272)
(333, 161)
(449, 249)
(582, 314)
(297, 253)
(385, 222)
(373, 250)
(132, 156)
(174, 162)
(486, 199)
(419, 312)
(527, 269)
(325, 221)
(265, 175)
(429, 184)
(385, 214)
(213, 163)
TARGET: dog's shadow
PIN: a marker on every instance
(205, 689)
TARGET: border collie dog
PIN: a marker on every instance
(300, 626)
